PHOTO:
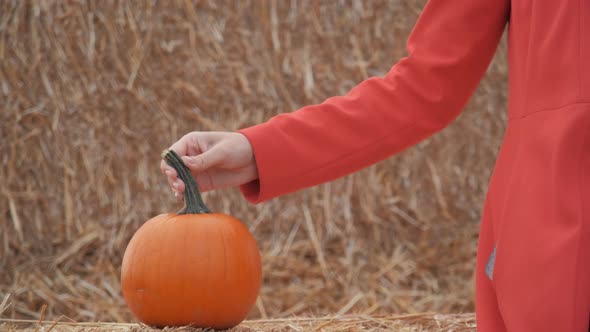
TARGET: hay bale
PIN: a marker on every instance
(91, 92)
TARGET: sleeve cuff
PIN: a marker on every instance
(263, 145)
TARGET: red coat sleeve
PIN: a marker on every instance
(449, 51)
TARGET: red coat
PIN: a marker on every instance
(535, 235)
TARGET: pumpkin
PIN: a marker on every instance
(192, 267)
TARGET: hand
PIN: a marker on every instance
(216, 160)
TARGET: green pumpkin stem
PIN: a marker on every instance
(193, 203)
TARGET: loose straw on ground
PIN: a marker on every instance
(400, 323)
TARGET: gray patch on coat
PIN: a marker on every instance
(490, 264)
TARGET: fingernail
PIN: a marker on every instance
(168, 172)
(175, 185)
(176, 194)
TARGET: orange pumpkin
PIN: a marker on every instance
(191, 267)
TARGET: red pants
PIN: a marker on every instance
(537, 217)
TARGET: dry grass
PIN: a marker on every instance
(405, 323)
(92, 91)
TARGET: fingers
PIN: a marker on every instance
(204, 182)
(199, 166)
(202, 162)
(188, 144)
(203, 156)
(185, 144)
(218, 178)
(196, 164)
(181, 148)
(174, 182)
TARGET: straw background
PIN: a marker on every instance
(92, 91)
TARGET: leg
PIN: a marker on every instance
(542, 223)
(486, 306)
(542, 285)
(542, 271)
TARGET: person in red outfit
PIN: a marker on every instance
(533, 264)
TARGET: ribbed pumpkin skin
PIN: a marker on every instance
(200, 269)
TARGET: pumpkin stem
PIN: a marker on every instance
(193, 203)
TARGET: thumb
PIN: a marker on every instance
(203, 161)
